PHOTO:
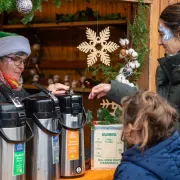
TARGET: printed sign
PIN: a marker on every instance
(18, 159)
(106, 146)
(55, 149)
(72, 145)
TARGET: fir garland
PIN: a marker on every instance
(9, 5)
(140, 36)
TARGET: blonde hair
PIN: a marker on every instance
(151, 114)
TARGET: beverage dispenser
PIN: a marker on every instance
(73, 118)
(13, 127)
(43, 150)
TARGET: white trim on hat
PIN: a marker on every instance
(13, 44)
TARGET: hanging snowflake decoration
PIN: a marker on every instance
(112, 105)
(95, 52)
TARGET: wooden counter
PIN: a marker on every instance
(95, 175)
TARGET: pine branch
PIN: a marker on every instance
(7, 5)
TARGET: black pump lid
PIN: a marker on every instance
(41, 105)
(70, 104)
(10, 116)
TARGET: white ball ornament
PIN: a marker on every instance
(24, 6)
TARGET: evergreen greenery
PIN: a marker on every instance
(103, 117)
(9, 5)
(139, 33)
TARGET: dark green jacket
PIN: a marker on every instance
(167, 82)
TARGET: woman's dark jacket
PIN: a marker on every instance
(167, 82)
(21, 94)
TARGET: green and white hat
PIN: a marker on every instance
(12, 43)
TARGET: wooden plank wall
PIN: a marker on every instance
(156, 52)
(59, 46)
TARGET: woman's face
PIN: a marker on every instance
(13, 65)
(170, 43)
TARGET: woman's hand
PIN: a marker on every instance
(58, 89)
(100, 90)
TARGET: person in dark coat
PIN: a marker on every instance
(148, 125)
(14, 52)
(168, 71)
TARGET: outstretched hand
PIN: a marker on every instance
(58, 89)
(100, 90)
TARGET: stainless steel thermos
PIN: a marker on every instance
(13, 126)
(43, 149)
(72, 157)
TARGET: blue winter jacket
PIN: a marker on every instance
(160, 162)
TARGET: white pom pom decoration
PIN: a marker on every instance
(130, 56)
(131, 51)
(137, 64)
(24, 6)
(122, 42)
(134, 54)
(126, 42)
(120, 77)
(132, 65)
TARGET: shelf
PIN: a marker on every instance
(55, 64)
(61, 64)
(83, 90)
(146, 1)
(64, 24)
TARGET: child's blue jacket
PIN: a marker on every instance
(160, 162)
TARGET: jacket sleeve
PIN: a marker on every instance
(120, 90)
(131, 171)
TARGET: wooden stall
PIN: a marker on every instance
(59, 40)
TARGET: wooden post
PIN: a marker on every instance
(154, 48)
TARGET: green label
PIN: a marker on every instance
(18, 159)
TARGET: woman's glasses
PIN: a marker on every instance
(18, 60)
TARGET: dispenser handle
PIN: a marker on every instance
(44, 129)
(47, 92)
(3, 135)
(73, 129)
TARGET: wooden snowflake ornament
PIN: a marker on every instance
(91, 47)
(112, 105)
